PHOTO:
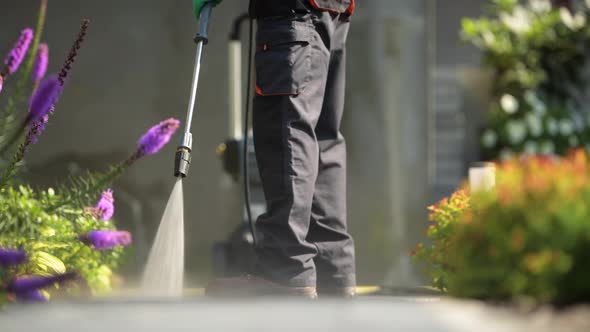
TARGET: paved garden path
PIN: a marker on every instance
(377, 313)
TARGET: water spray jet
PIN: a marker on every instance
(164, 272)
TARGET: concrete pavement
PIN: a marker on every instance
(377, 313)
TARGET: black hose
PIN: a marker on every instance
(245, 140)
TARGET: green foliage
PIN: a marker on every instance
(530, 237)
(537, 52)
(443, 217)
(83, 190)
(51, 240)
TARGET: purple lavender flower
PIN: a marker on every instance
(44, 98)
(105, 208)
(10, 257)
(31, 296)
(17, 54)
(104, 240)
(158, 136)
(1, 82)
(23, 285)
(40, 66)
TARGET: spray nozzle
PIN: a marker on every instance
(182, 162)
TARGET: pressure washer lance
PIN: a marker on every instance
(183, 152)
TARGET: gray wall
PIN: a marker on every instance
(135, 69)
(451, 51)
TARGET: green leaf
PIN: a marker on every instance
(469, 27)
(47, 261)
(40, 245)
(48, 232)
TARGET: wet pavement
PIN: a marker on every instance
(375, 313)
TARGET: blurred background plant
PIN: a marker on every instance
(538, 50)
(51, 236)
(528, 238)
(443, 217)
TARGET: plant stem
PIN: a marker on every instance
(101, 183)
(35, 47)
(73, 54)
(19, 155)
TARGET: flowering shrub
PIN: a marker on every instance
(443, 217)
(537, 49)
(63, 235)
(52, 242)
(530, 237)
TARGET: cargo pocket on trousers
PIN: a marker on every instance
(283, 59)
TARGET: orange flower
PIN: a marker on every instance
(537, 184)
(578, 157)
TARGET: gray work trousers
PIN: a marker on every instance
(300, 88)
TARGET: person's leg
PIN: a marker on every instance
(291, 68)
(335, 262)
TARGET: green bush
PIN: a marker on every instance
(529, 237)
(52, 240)
(443, 217)
(538, 52)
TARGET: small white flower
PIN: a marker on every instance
(552, 126)
(489, 138)
(579, 20)
(531, 147)
(509, 104)
(540, 6)
(518, 21)
(547, 147)
(534, 123)
(573, 141)
(574, 22)
(566, 127)
(516, 131)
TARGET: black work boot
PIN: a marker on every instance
(252, 286)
